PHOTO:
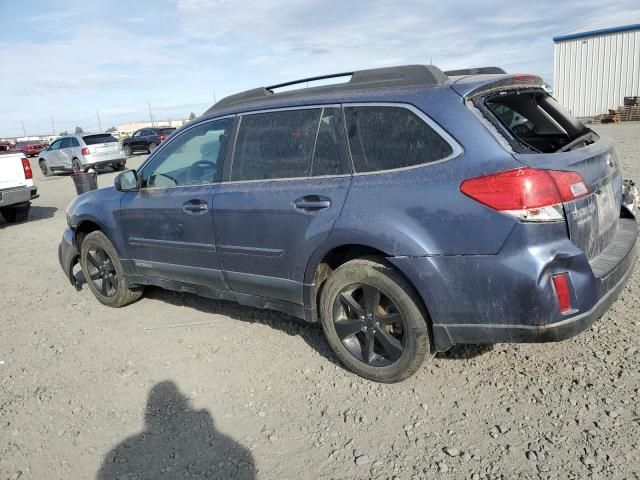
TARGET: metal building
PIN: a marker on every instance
(596, 67)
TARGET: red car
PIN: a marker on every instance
(30, 148)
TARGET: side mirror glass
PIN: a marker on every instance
(126, 181)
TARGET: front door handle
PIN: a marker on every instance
(195, 207)
(312, 203)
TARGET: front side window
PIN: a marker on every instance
(192, 158)
(55, 145)
(274, 145)
(385, 138)
(66, 143)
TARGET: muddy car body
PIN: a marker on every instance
(396, 208)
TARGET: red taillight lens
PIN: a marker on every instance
(85, 151)
(26, 166)
(563, 292)
(162, 138)
(525, 193)
(525, 77)
(570, 185)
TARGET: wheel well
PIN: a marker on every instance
(341, 255)
(332, 260)
(84, 229)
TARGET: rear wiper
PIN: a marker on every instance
(582, 138)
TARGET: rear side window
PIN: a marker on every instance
(166, 131)
(384, 138)
(95, 139)
(275, 145)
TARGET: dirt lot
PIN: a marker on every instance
(180, 387)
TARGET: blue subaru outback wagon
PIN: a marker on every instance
(406, 209)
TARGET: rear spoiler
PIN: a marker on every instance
(475, 71)
(471, 87)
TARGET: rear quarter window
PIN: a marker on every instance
(387, 137)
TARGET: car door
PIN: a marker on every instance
(167, 222)
(52, 157)
(65, 154)
(282, 193)
(135, 141)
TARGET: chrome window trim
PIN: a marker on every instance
(163, 145)
(456, 148)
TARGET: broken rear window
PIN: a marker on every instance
(537, 122)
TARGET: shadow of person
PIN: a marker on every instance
(178, 442)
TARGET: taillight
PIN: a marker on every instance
(525, 77)
(162, 138)
(26, 166)
(527, 194)
(85, 151)
(563, 292)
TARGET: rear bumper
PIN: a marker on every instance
(17, 195)
(88, 163)
(508, 297)
(68, 255)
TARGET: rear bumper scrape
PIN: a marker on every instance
(610, 282)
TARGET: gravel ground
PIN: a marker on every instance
(180, 387)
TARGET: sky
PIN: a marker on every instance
(67, 62)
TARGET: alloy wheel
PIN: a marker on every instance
(369, 325)
(101, 272)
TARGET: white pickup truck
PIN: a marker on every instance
(16, 186)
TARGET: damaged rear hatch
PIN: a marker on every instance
(542, 135)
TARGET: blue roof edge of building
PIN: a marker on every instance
(592, 33)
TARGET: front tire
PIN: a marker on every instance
(104, 273)
(127, 150)
(44, 168)
(374, 320)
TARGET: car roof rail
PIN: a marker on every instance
(407, 75)
(475, 71)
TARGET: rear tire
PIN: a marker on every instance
(44, 168)
(384, 340)
(77, 166)
(119, 167)
(104, 273)
(151, 147)
(15, 214)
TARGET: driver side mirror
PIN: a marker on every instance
(126, 181)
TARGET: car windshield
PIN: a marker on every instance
(100, 138)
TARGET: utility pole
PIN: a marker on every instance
(214, 97)
(24, 133)
(53, 127)
(99, 124)
(150, 116)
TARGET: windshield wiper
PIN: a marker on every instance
(582, 138)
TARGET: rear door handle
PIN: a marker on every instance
(195, 207)
(312, 203)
